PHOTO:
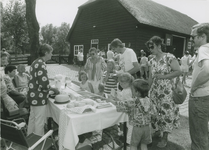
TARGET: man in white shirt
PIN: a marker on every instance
(199, 98)
(80, 57)
(128, 60)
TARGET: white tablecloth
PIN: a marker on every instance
(71, 125)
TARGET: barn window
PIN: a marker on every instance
(77, 48)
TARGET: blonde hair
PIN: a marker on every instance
(126, 77)
(20, 66)
(113, 63)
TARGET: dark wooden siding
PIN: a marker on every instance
(112, 20)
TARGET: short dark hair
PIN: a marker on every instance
(92, 49)
(9, 68)
(44, 48)
(157, 41)
(82, 73)
(116, 43)
(142, 86)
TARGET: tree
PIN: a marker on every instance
(33, 28)
(14, 31)
(60, 43)
(56, 36)
(48, 32)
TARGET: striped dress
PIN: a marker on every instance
(110, 84)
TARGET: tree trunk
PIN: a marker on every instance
(33, 28)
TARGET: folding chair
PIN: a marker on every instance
(14, 132)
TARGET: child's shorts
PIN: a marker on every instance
(141, 135)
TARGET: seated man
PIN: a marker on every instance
(19, 98)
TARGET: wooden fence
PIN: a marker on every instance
(25, 59)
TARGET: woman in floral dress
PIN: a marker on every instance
(163, 68)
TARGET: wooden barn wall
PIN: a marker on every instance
(111, 20)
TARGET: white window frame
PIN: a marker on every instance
(77, 48)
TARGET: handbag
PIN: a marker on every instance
(179, 91)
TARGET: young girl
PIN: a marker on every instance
(125, 81)
(22, 79)
(85, 84)
(123, 96)
(109, 78)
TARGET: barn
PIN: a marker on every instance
(98, 22)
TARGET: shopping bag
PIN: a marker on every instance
(179, 92)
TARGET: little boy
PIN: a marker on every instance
(139, 115)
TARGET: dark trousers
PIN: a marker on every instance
(198, 122)
(19, 98)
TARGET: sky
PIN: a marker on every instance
(57, 11)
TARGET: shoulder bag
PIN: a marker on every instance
(179, 91)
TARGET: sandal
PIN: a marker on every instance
(162, 144)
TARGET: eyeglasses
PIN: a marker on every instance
(193, 36)
(151, 47)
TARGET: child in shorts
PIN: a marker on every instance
(140, 116)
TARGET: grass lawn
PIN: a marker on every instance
(179, 139)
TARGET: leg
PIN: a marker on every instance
(31, 121)
(198, 122)
(20, 99)
(37, 120)
(143, 146)
(163, 141)
(133, 147)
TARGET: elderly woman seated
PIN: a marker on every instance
(18, 97)
(9, 103)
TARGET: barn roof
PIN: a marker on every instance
(154, 14)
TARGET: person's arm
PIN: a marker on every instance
(135, 63)
(106, 75)
(203, 75)
(150, 80)
(174, 73)
(28, 76)
(16, 79)
(42, 77)
(135, 69)
(104, 65)
(91, 87)
(86, 67)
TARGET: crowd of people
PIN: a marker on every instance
(147, 99)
